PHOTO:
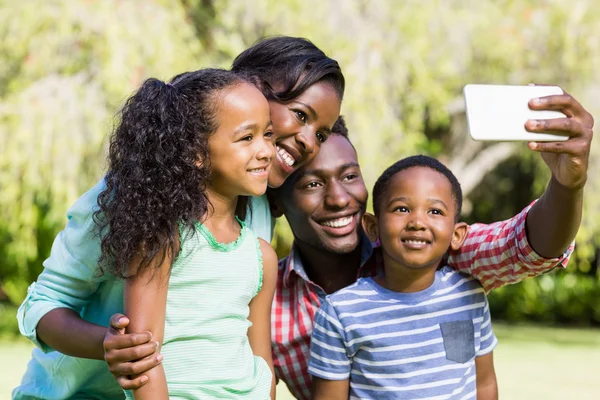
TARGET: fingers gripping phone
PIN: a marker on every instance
(499, 112)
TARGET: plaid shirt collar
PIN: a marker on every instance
(294, 269)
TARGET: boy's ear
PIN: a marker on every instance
(369, 223)
(459, 235)
(276, 204)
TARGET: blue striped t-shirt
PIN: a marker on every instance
(395, 345)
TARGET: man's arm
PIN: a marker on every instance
(259, 334)
(487, 385)
(509, 251)
(323, 389)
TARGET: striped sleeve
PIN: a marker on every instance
(488, 340)
(499, 254)
(328, 356)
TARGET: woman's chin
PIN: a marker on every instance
(277, 177)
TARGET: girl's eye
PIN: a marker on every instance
(321, 137)
(301, 116)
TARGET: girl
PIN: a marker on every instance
(181, 160)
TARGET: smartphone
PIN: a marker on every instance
(499, 112)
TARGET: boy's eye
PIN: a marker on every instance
(321, 137)
(301, 116)
(401, 209)
(435, 211)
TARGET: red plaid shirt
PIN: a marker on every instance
(497, 254)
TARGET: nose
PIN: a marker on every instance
(266, 150)
(415, 222)
(336, 196)
(307, 139)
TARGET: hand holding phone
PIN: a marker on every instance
(499, 112)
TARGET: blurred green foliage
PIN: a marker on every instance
(67, 65)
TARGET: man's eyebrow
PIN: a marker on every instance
(318, 171)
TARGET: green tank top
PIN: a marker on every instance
(206, 350)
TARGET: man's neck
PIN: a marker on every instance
(330, 271)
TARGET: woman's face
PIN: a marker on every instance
(299, 128)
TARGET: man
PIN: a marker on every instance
(324, 202)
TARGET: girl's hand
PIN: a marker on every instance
(567, 160)
(129, 355)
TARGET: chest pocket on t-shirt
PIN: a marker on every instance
(459, 340)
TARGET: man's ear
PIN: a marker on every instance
(275, 202)
(369, 223)
(459, 235)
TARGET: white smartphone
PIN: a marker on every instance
(499, 112)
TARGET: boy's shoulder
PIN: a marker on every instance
(453, 280)
(359, 289)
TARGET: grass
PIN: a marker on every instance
(531, 363)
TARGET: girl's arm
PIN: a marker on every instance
(487, 386)
(145, 302)
(259, 333)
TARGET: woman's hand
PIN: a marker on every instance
(129, 355)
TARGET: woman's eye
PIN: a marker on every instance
(246, 138)
(301, 116)
(269, 134)
(321, 137)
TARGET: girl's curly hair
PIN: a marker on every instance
(158, 169)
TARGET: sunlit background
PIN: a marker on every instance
(66, 66)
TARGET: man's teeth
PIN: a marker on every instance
(286, 157)
(337, 223)
(415, 241)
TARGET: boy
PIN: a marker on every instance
(421, 330)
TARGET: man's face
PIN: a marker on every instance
(324, 201)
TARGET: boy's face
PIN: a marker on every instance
(416, 219)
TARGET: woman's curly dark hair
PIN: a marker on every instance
(158, 169)
(283, 67)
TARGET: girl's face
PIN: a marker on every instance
(241, 150)
(300, 126)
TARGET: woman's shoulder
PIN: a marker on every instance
(260, 219)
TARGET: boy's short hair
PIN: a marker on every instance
(382, 183)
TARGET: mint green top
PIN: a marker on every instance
(206, 350)
(69, 280)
